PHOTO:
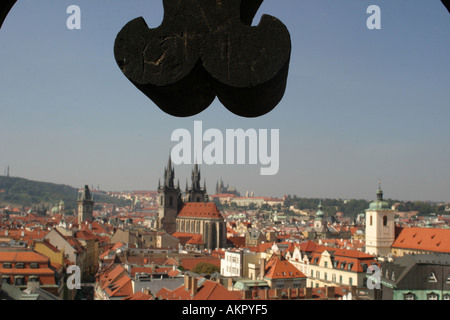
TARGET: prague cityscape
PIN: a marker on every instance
(248, 152)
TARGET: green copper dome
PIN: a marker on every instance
(379, 204)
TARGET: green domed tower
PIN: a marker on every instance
(380, 226)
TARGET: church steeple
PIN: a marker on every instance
(196, 193)
(169, 175)
(196, 177)
(170, 201)
(379, 192)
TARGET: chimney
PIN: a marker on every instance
(193, 286)
(230, 284)
(262, 268)
(187, 282)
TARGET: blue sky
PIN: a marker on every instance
(360, 104)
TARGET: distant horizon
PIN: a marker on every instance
(242, 194)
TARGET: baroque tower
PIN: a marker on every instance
(169, 200)
(380, 226)
(85, 205)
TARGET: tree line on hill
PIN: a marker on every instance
(21, 192)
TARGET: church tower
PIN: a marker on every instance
(196, 193)
(169, 200)
(85, 205)
(380, 226)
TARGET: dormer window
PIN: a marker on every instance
(432, 296)
(7, 265)
(410, 296)
(20, 265)
(34, 265)
(432, 278)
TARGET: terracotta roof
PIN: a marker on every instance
(22, 256)
(139, 296)
(200, 210)
(424, 239)
(190, 263)
(207, 290)
(120, 288)
(188, 238)
(344, 258)
(278, 268)
(238, 242)
(135, 270)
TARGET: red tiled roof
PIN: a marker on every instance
(121, 288)
(22, 256)
(200, 210)
(190, 263)
(424, 239)
(238, 242)
(208, 290)
(278, 268)
(139, 296)
(189, 238)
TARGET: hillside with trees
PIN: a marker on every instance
(27, 193)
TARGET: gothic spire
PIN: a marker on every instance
(169, 175)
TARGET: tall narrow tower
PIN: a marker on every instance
(169, 200)
(380, 226)
(196, 193)
(85, 205)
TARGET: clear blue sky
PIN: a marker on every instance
(360, 105)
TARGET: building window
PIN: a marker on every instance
(432, 296)
(34, 279)
(19, 281)
(385, 221)
(371, 220)
(34, 265)
(333, 277)
(326, 276)
(350, 281)
(335, 263)
(7, 265)
(349, 266)
(312, 274)
(340, 279)
(20, 265)
(326, 264)
(5, 279)
(318, 274)
(343, 265)
(410, 296)
(447, 297)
